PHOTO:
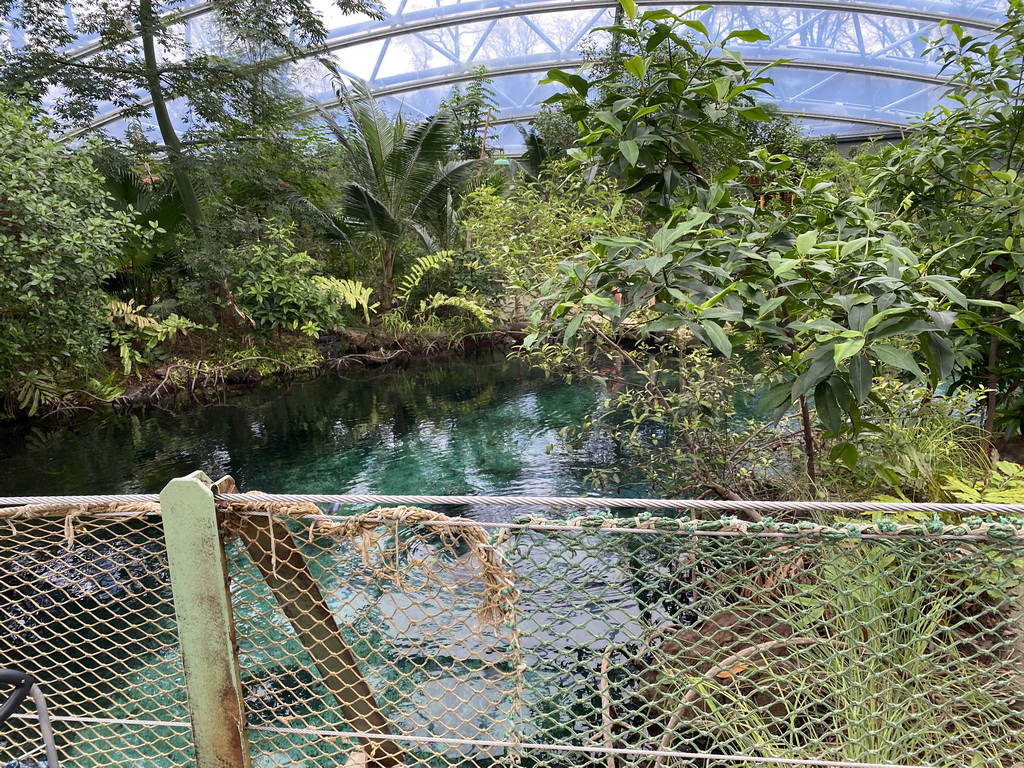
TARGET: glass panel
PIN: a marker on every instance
(845, 62)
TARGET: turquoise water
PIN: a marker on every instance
(479, 425)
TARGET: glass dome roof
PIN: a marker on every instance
(849, 67)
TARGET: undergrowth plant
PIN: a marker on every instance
(1003, 484)
(918, 441)
(278, 289)
(438, 315)
(880, 675)
(135, 335)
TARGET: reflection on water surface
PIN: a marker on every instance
(480, 424)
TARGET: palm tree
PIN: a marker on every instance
(146, 200)
(402, 182)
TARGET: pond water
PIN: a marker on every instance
(475, 425)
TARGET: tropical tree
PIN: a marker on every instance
(58, 242)
(403, 184)
(142, 62)
(155, 206)
(960, 176)
(664, 97)
(472, 110)
(818, 303)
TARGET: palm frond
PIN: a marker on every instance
(448, 177)
(365, 211)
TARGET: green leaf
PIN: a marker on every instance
(770, 306)
(945, 286)
(665, 323)
(630, 151)
(628, 8)
(659, 14)
(717, 297)
(860, 378)
(747, 36)
(756, 114)
(822, 366)
(847, 348)
(858, 316)
(939, 356)
(805, 241)
(728, 174)
(569, 80)
(637, 67)
(897, 358)
(571, 329)
(846, 453)
(655, 264)
(853, 245)
(714, 333)
(598, 301)
(774, 398)
(829, 412)
(610, 120)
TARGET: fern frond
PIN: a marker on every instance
(419, 268)
(458, 303)
(351, 292)
(37, 390)
(128, 313)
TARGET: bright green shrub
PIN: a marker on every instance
(519, 238)
(58, 242)
(279, 288)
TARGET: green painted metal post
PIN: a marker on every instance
(202, 604)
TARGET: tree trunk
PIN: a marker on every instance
(387, 286)
(805, 418)
(190, 200)
(992, 384)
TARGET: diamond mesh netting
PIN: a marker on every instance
(87, 610)
(820, 645)
(596, 641)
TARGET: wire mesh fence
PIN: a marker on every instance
(86, 608)
(609, 642)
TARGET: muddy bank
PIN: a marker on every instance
(345, 350)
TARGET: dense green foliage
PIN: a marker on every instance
(813, 300)
(277, 288)
(59, 241)
(652, 120)
(141, 60)
(661, 209)
(520, 235)
(958, 179)
(472, 111)
(403, 185)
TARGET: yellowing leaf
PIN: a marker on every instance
(726, 674)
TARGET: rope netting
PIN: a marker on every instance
(603, 640)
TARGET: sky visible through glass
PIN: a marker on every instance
(851, 67)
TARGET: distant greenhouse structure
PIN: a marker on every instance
(849, 67)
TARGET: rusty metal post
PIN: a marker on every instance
(206, 631)
(274, 551)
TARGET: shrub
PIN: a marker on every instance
(279, 289)
(58, 242)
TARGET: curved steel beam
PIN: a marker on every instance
(422, 21)
(481, 10)
(183, 14)
(465, 76)
(797, 113)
